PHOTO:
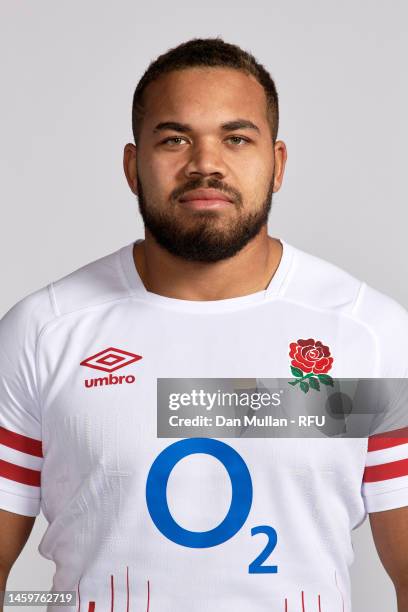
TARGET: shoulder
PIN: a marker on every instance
(319, 283)
(21, 325)
(97, 282)
(388, 320)
(322, 284)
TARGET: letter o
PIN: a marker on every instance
(156, 492)
(130, 378)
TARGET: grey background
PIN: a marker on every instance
(68, 72)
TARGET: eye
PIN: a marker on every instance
(172, 139)
(239, 138)
(175, 140)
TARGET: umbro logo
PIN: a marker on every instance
(109, 360)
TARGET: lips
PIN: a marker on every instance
(204, 194)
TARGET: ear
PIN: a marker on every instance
(281, 155)
(129, 166)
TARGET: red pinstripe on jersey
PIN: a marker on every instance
(387, 457)
(92, 604)
(303, 604)
(386, 440)
(20, 474)
(21, 443)
(393, 469)
(112, 593)
(19, 464)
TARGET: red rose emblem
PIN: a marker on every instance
(310, 356)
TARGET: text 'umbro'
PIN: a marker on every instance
(109, 380)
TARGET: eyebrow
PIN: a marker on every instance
(236, 124)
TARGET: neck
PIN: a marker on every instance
(249, 271)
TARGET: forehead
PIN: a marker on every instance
(200, 95)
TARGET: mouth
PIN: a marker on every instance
(205, 204)
(205, 199)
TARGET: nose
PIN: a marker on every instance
(205, 159)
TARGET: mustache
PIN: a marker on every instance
(198, 183)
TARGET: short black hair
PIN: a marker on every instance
(206, 52)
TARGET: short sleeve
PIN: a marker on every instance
(385, 478)
(21, 455)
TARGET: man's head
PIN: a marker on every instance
(205, 115)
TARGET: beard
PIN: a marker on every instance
(203, 238)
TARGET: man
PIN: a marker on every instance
(143, 522)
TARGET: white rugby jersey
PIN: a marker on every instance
(79, 363)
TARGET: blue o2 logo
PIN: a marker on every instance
(241, 492)
(156, 498)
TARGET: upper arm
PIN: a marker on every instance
(14, 532)
(390, 533)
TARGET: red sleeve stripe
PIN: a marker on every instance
(20, 474)
(20, 442)
(383, 440)
(393, 469)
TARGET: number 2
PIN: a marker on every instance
(256, 566)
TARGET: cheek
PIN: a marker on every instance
(255, 171)
(156, 178)
(255, 184)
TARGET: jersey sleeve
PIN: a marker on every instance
(21, 455)
(385, 478)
